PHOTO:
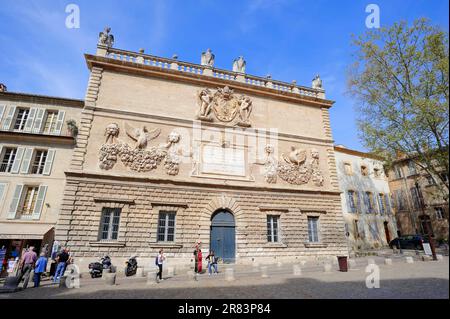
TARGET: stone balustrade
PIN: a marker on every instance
(203, 70)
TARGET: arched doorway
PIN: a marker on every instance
(223, 236)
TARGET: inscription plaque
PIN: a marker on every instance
(223, 161)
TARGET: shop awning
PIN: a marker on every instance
(24, 230)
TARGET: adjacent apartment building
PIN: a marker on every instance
(36, 144)
(172, 153)
(366, 199)
(418, 200)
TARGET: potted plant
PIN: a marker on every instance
(72, 127)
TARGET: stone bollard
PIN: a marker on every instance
(151, 277)
(297, 270)
(439, 257)
(371, 261)
(105, 272)
(327, 267)
(264, 273)
(352, 264)
(110, 279)
(388, 261)
(140, 272)
(229, 274)
(409, 260)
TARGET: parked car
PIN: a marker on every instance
(409, 242)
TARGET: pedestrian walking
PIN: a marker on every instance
(41, 267)
(212, 262)
(198, 258)
(61, 259)
(159, 262)
(26, 265)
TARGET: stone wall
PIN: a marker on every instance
(79, 223)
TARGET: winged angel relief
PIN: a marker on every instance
(139, 157)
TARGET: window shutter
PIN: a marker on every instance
(15, 202)
(2, 192)
(59, 122)
(39, 202)
(2, 111)
(17, 160)
(9, 118)
(30, 120)
(358, 202)
(388, 204)
(38, 120)
(25, 167)
(49, 162)
(348, 200)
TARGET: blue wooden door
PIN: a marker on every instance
(223, 236)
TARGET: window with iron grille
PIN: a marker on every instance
(166, 226)
(313, 229)
(21, 119)
(272, 228)
(39, 162)
(110, 223)
(9, 155)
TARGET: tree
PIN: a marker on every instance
(400, 77)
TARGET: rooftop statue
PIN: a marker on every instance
(208, 58)
(239, 65)
(105, 38)
(317, 82)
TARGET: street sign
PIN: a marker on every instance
(427, 249)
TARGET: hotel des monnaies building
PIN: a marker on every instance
(37, 138)
(171, 153)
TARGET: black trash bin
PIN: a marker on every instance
(343, 266)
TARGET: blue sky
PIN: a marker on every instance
(287, 39)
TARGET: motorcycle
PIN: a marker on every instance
(131, 267)
(96, 268)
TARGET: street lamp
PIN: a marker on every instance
(427, 229)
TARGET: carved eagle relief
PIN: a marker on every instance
(141, 135)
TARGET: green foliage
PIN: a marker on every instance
(401, 82)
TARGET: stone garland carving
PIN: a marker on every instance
(295, 168)
(225, 106)
(139, 157)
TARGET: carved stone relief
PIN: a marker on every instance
(139, 157)
(224, 106)
(294, 167)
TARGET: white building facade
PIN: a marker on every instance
(366, 200)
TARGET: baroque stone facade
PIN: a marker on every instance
(166, 150)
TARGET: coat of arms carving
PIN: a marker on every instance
(224, 106)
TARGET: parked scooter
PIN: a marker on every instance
(131, 267)
(96, 269)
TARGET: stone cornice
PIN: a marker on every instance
(357, 153)
(158, 182)
(168, 74)
(37, 138)
(42, 99)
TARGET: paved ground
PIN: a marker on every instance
(400, 280)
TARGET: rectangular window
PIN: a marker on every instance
(21, 119)
(39, 162)
(313, 229)
(9, 155)
(415, 197)
(348, 168)
(398, 172)
(110, 223)
(166, 226)
(412, 168)
(272, 228)
(364, 170)
(351, 201)
(382, 203)
(50, 122)
(377, 172)
(29, 201)
(439, 212)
